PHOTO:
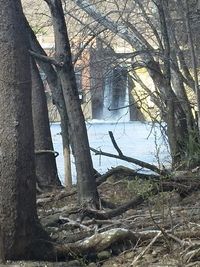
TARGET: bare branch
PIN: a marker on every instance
(46, 59)
(115, 143)
(132, 160)
(84, 46)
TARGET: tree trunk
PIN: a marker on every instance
(66, 152)
(188, 132)
(46, 169)
(194, 61)
(18, 216)
(58, 100)
(87, 190)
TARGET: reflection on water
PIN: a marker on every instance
(136, 139)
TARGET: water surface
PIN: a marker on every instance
(135, 139)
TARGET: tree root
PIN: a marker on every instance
(96, 243)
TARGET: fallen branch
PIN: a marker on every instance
(73, 223)
(192, 255)
(115, 143)
(159, 187)
(180, 235)
(118, 211)
(125, 172)
(132, 160)
(106, 240)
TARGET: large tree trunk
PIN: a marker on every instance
(18, 217)
(46, 169)
(78, 134)
(58, 100)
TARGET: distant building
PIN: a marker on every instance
(105, 88)
(104, 84)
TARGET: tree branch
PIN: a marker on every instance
(115, 144)
(46, 59)
(85, 45)
(132, 160)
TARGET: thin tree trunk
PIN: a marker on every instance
(66, 151)
(58, 100)
(194, 61)
(177, 78)
(46, 169)
(87, 190)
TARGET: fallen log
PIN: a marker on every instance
(126, 172)
(109, 239)
(97, 242)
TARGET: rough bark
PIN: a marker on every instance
(46, 169)
(78, 134)
(18, 217)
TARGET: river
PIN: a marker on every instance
(136, 139)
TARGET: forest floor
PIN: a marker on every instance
(156, 228)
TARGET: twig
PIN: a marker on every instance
(146, 248)
(76, 57)
(74, 223)
(115, 143)
(178, 240)
(191, 255)
(166, 237)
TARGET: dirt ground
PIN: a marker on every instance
(166, 226)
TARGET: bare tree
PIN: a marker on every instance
(78, 134)
(155, 48)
